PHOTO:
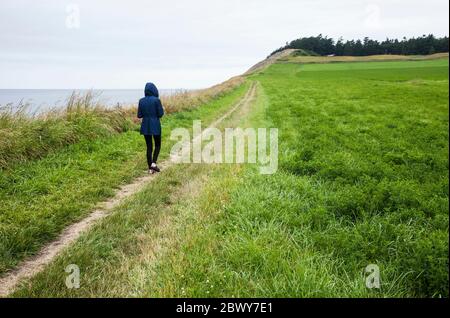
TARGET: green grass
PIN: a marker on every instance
(363, 179)
(372, 138)
(39, 198)
(310, 58)
(25, 137)
(408, 68)
(118, 256)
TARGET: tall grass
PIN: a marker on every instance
(25, 136)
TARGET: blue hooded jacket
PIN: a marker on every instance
(150, 110)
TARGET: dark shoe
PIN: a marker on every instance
(154, 167)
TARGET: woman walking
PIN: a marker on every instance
(150, 110)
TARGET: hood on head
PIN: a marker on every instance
(151, 90)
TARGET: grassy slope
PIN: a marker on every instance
(363, 179)
(39, 198)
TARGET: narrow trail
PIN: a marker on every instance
(33, 265)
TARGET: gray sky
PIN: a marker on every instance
(179, 43)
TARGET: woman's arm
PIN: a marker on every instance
(160, 108)
(139, 112)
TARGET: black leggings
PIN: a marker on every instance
(148, 140)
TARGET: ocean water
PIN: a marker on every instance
(40, 100)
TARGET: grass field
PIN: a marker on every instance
(305, 57)
(38, 198)
(371, 140)
(363, 179)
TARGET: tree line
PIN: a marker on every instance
(423, 45)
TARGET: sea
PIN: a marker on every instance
(40, 100)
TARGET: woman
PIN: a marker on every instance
(150, 110)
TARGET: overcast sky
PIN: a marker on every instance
(178, 43)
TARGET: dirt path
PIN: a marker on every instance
(36, 263)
